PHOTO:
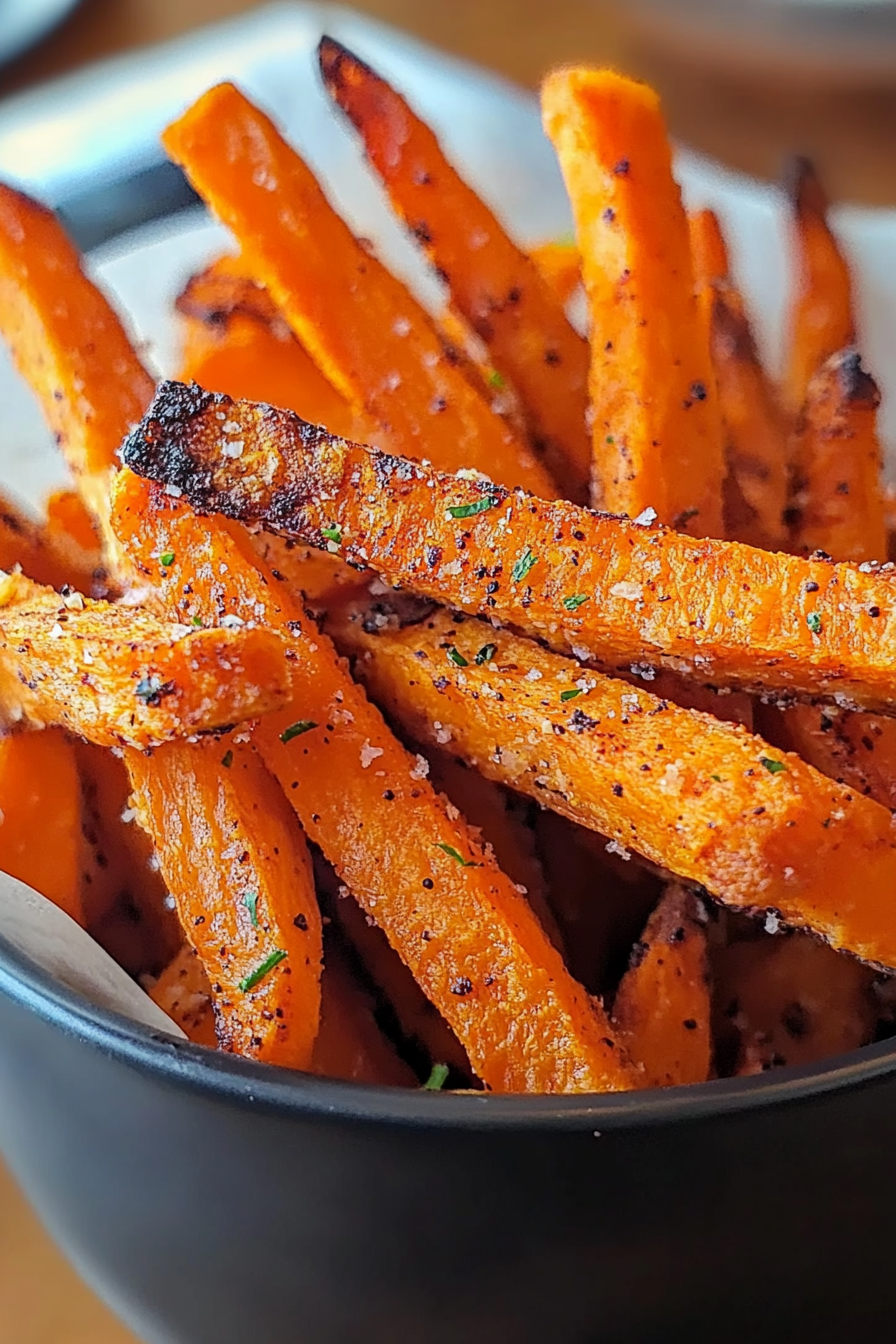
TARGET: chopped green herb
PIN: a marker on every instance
(773, 767)
(813, 620)
(197, 620)
(332, 534)
(456, 657)
(255, 977)
(575, 601)
(437, 1078)
(610, 439)
(523, 564)
(250, 901)
(571, 694)
(478, 506)
(717, 778)
(495, 379)
(166, 558)
(297, 729)
(485, 654)
(227, 760)
(456, 855)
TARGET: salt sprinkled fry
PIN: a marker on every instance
(117, 675)
(627, 594)
(368, 335)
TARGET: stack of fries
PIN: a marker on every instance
(460, 702)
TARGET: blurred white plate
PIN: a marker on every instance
(491, 129)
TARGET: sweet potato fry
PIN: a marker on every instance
(704, 799)
(858, 750)
(71, 531)
(459, 924)
(838, 492)
(656, 429)
(368, 335)
(116, 674)
(756, 432)
(662, 1006)
(821, 319)
(236, 863)
(497, 814)
(40, 816)
(560, 264)
(184, 992)
(349, 1044)
(789, 1000)
(124, 897)
(424, 1032)
(626, 595)
(492, 283)
(42, 554)
(236, 339)
(68, 343)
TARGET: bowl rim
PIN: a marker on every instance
(291, 1093)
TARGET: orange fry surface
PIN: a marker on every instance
(838, 488)
(40, 816)
(43, 554)
(630, 596)
(68, 343)
(560, 265)
(663, 1005)
(117, 674)
(368, 335)
(492, 283)
(756, 430)
(235, 861)
(821, 318)
(656, 427)
(701, 798)
(459, 924)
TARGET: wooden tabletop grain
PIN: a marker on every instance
(751, 123)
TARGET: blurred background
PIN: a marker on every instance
(747, 81)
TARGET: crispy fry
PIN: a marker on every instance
(424, 1032)
(492, 283)
(370, 338)
(42, 554)
(755, 491)
(838, 491)
(498, 815)
(662, 1006)
(236, 339)
(40, 816)
(237, 865)
(656, 430)
(184, 992)
(125, 901)
(68, 343)
(628, 596)
(71, 531)
(470, 940)
(821, 318)
(118, 675)
(349, 1044)
(789, 1000)
(858, 750)
(560, 265)
(715, 804)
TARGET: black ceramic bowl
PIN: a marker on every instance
(210, 1200)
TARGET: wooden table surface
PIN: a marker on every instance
(851, 132)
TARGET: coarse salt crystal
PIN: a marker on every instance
(629, 592)
(369, 754)
(57, 631)
(614, 847)
(421, 768)
(772, 922)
